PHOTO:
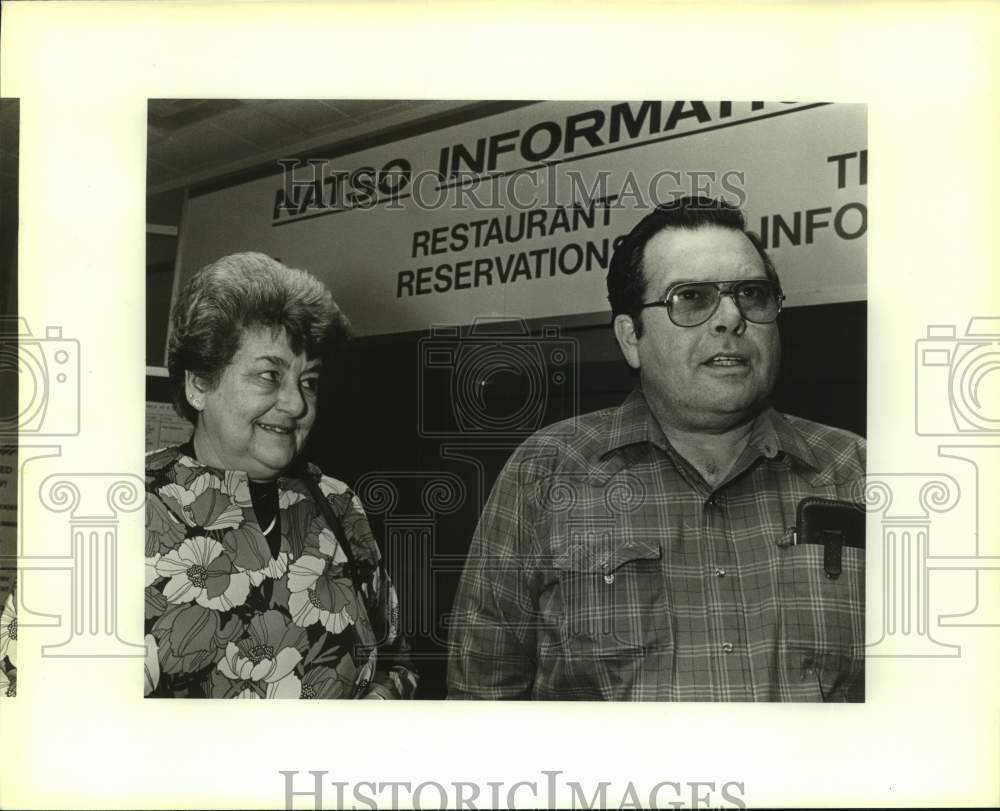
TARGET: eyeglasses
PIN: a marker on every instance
(690, 304)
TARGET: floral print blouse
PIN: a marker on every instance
(227, 617)
(8, 646)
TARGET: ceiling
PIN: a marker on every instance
(193, 141)
(196, 140)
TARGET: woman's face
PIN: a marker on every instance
(259, 415)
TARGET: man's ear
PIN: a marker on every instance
(628, 341)
(195, 389)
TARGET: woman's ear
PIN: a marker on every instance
(195, 389)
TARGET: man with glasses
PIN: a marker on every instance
(658, 550)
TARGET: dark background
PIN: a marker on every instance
(369, 429)
(376, 405)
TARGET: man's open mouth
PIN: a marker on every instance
(721, 360)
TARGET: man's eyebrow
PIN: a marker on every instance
(676, 282)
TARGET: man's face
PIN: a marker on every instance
(714, 376)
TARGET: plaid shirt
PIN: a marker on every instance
(604, 567)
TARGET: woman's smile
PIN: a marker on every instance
(276, 429)
(265, 377)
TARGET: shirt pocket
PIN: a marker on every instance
(609, 601)
(822, 624)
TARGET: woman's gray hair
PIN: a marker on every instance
(241, 291)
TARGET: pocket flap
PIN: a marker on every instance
(582, 557)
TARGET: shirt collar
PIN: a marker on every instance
(633, 423)
(788, 440)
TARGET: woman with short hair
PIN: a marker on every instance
(263, 579)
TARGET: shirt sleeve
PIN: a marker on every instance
(394, 676)
(492, 636)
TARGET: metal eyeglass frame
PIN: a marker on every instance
(731, 289)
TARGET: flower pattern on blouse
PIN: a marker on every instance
(8, 646)
(227, 617)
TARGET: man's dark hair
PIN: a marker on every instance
(626, 278)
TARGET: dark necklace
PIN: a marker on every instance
(264, 497)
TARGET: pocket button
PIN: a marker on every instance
(727, 647)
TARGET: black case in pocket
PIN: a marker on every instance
(834, 524)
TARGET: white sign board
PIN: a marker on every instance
(516, 215)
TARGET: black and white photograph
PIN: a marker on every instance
(548, 406)
(583, 385)
(12, 363)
